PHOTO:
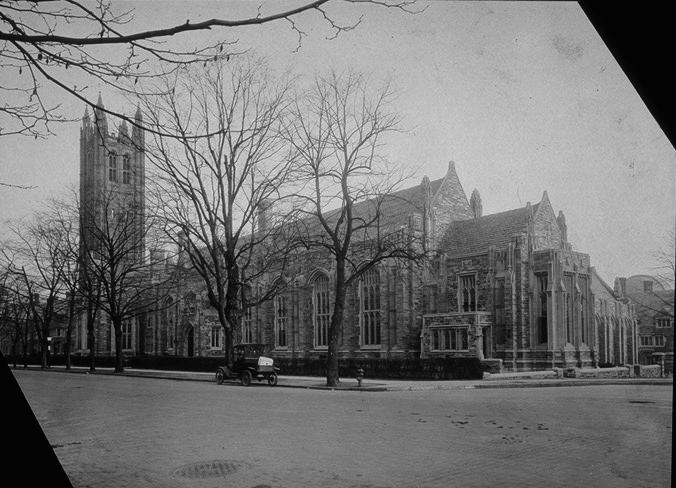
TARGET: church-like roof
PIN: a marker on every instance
(467, 237)
(395, 208)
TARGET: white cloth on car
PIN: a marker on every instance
(263, 361)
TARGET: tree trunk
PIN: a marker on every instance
(91, 339)
(24, 346)
(332, 377)
(231, 312)
(233, 317)
(16, 339)
(223, 317)
(119, 365)
(69, 331)
(43, 351)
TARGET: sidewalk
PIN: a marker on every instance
(505, 380)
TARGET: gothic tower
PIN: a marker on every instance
(112, 204)
(112, 180)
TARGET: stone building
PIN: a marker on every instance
(507, 286)
(616, 325)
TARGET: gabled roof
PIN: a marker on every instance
(655, 303)
(395, 207)
(597, 280)
(466, 237)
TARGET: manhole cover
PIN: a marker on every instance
(641, 401)
(209, 469)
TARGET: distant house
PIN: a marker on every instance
(654, 304)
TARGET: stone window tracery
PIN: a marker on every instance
(542, 303)
(322, 311)
(468, 293)
(112, 167)
(126, 170)
(370, 308)
(281, 320)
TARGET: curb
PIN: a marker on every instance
(485, 385)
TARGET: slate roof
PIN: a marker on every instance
(659, 302)
(474, 236)
(394, 208)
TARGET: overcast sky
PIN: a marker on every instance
(524, 97)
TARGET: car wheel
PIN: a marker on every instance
(246, 378)
(220, 376)
(272, 379)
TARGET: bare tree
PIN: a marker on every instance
(665, 259)
(113, 235)
(39, 263)
(12, 311)
(337, 133)
(49, 44)
(215, 193)
(65, 217)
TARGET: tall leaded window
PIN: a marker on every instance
(126, 169)
(170, 331)
(542, 324)
(500, 312)
(322, 311)
(112, 167)
(582, 280)
(281, 320)
(468, 293)
(663, 323)
(215, 342)
(450, 339)
(569, 306)
(126, 335)
(247, 325)
(370, 308)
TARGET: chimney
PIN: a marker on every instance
(475, 204)
(621, 287)
(563, 228)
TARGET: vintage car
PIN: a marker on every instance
(249, 366)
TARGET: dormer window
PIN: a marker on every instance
(126, 170)
(112, 167)
(647, 286)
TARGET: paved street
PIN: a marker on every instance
(140, 432)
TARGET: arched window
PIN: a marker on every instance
(126, 335)
(112, 167)
(500, 312)
(542, 324)
(247, 330)
(583, 309)
(215, 338)
(281, 320)
(468, 293)
(370, 308)
(322, 310)
(569, 307)
(126, 169)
